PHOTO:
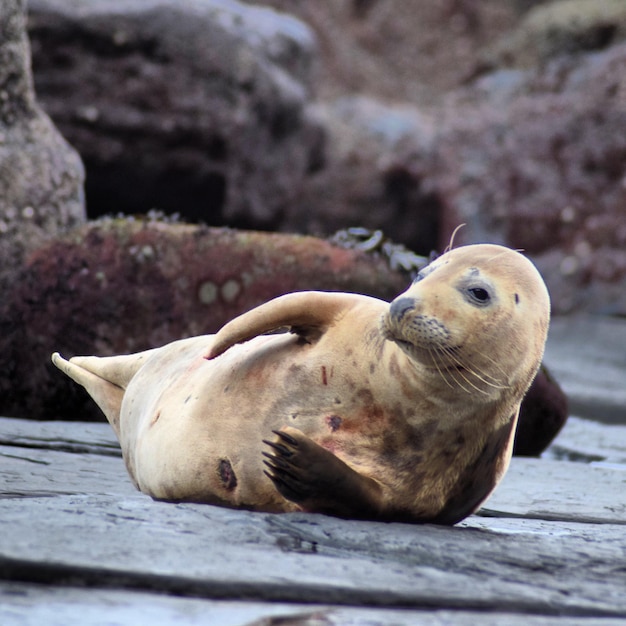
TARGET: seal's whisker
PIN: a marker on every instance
(470, 383)
(491, 259)
(438, 357)
(469, 370)
(455, 374)
(458, 377)
(496, 365)
(494, 385)
(454, 232)
(491, 381)
(480, 373)
(434, 354)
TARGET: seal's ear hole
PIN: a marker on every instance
(479, 295)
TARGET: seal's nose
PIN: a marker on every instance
(400, 307)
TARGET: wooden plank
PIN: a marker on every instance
(31, 472)
(589, 441)
(34, 605)
(558, 490)
(94, 529)
(544, 488)
(56, 458)
(587, 356)
(135, 543)
(85, 437)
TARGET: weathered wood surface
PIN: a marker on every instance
(549, 545)
(78, 544)
(588, 357)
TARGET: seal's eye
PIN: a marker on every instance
(479, 295)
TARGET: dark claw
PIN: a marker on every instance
(271, 467)
(285, 488)
(269, 475)
(280, 471)
(278, 482)
(279, 448)
(285, 437)
(280, 462)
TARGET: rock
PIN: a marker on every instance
(413, 51)
(119, 286)
(41, 176)
(197, 107)
(537, 161)
(565, 27)
(368, 178)
(534, 159)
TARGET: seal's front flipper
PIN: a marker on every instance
(304, 312)
(311, 476)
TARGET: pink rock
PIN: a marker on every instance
(119, 286)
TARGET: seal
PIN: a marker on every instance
(366, 409)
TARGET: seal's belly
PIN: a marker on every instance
(200, 424)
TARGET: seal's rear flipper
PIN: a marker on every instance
(118, 370)
(107, 395)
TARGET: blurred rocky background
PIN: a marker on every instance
(294, 117)
(413, 117)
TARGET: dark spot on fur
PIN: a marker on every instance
(337, 400)
(516, 299)
(492, 452)
(189, 398)
(169, 489)
(372, 368)
(376, 341)
(414, 438)
(324, 376)
(394, 368)
(460, 440)
(365, 396)
(429, 427)
(334, 422)
(227, 474)
(401, 448)
(155, 419)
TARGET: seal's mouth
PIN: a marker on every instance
(434, 354)
(430, 354)
(423, 337)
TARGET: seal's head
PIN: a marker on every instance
(477, 317)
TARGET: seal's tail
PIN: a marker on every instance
(105, 379)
